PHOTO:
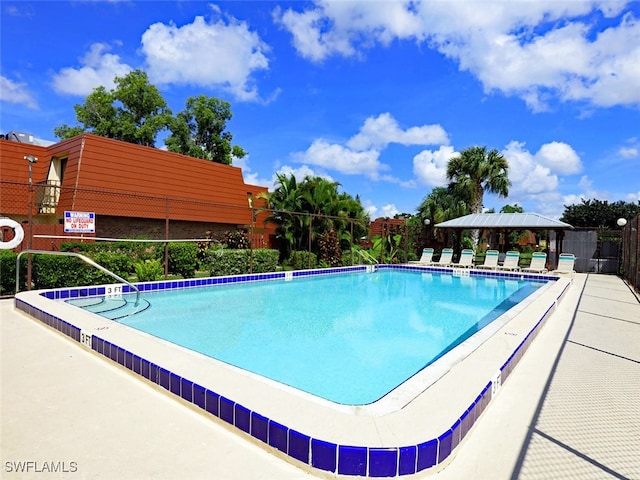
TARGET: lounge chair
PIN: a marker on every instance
(538, 263)
(425, 258)
(465, 261)
(490, 260)
(510, 262)
(445, 258)
(565, 264)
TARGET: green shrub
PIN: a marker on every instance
(265, 260)
(228, 262)
(183, 259)
(239, 262)
(301, 260)
(149, 270)
(8, 260)
(49, 271)
(134, 250)
(118, 263)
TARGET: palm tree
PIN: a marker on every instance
(304, 211)
(443, 204)
(476, 171)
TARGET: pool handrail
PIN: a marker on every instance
(367, 256)
(81, 257)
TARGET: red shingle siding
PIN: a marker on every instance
(118, 179)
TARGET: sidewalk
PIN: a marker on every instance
(570, 410)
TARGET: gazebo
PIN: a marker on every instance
(506, 222)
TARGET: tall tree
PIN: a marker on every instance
(476, 171)
(200, 131)
(144, 111)
(599, 213)
(134, 111)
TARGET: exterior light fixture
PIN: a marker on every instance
(621, 222)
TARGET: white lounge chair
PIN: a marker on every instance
(465, 261)
(566, 262)
(538, 263)
(510, 262)
(445, 258)
(490, 260)
(425, 258)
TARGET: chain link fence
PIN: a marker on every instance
(120, 215)
(40, 209)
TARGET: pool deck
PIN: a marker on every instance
(570, 409)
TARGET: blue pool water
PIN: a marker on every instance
(348, 338)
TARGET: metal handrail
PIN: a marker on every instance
(367, 256)
(81, 257)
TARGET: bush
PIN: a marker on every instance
(8, 260)
(228, 262)
(49, 271)
(237, 240)
(118, 263)
(183, 259)
(239, 262)
(149, 270)
(134, 250)
(265, 260)
(329, 246)
(302, 260)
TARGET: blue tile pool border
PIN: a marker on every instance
(355, 460)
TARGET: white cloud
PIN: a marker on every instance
(634, 197)
(431, 166)
(559, 157)
(333, 27)
(13, 92)
(370, 208)
(529, 179)
(99, 68)
(360, 155)
(300, 173)
(388, 210)
(538, 51)
(628, 152)
(382, 130)
(250, 177)
(536, 178)
(342, 159)
(207, 54)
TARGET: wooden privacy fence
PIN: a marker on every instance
(630, 262)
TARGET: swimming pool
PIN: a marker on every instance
(349, 338)
(416, 427)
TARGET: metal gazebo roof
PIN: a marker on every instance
(511, 221)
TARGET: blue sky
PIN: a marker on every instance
(375, 95)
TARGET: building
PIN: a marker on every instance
(133, 192)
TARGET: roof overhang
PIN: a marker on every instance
(505, 221)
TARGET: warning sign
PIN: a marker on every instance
(79, 222)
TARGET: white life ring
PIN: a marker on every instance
(18, 234)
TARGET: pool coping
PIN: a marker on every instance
(421, 435)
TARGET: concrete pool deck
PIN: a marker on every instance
(569, 410)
